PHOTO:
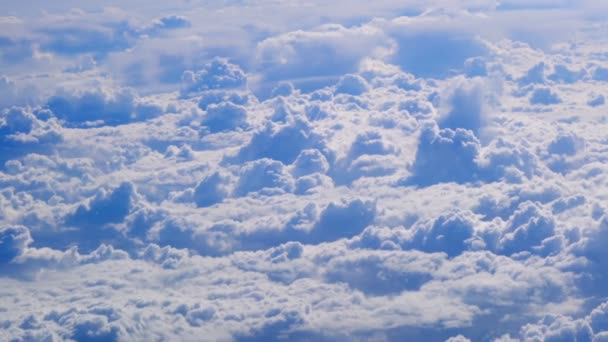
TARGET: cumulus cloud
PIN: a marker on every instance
(535, 75)
(75, 35)
(101, 106)
(309, 162)
(24, 131)
(596, 100)
(429, 171)
(466, 107)
(591, 327)
(544, 96)
(445, 155)
(337, 50)
(104, 208)
(210, 190)
(263, 174)
(225, 116)
(281, 142)
(352, 85)
(17, 95)
(217, 74)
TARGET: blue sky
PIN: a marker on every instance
(303, 170)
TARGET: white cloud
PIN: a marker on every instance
(251, 171)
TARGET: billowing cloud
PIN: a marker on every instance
(328, 171)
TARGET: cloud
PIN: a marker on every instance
(281, 142)
(15, 50)
(263, 174)
(283, 89)
(79, 39)
(432, 48)
(217, 74)
(74, 33)
(14, 241)
(101, 106)
(600, 74)
(562, 74)
(172, 22)
(17, 95)
(370, 155)
(450, 233)
(24, 131)
(565, 144)
(591, 327)
(211, 190)
(529, 229)
(535, 75)
(225, 116)
(352, 85)
(376, 171)
(475, 67)
(309, 162)
(20, 123)
(104, 208)
(342, 220)
(445, 155)
(596, 100)
(544, 96)
(468, 104)
(337, 50)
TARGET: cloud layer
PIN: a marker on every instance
(242, 172)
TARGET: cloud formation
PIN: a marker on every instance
(263, 171)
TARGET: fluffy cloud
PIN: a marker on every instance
(289, 56)
(544, 96)
(217, 74)
(105, 208)
(281, 142)
(263, 174)
(243, 172)
(445, 155)
(210, 190)
(24, 131)
(591, 327)
(466, 107)
(105, 106)
(225, 116)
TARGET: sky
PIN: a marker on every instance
(304, 170)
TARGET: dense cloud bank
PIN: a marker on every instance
(390, 173)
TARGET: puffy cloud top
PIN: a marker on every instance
(217, 74)
(333, 172)
(445, 155)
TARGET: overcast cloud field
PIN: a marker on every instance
(307, 170)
